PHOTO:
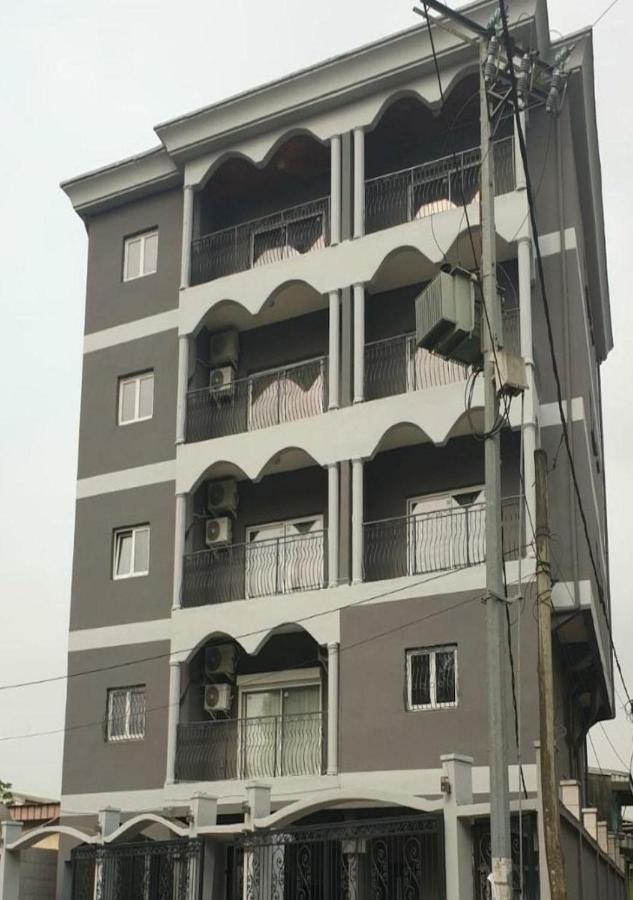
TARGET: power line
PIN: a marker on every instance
(604, 12)
(550, 336)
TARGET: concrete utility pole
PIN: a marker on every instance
(549, 785)
(501, 849)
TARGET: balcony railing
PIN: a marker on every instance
(434, 187)
(395, 366)
(281, 235)
(259, 568)
(264, 747)
(436, 541)
(259, 401)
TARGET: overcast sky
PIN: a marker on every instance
(84, 82)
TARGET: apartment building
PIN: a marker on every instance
(277, 637)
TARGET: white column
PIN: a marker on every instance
(524, 254)
(183, 385)
(333, 523)
(334, 366)
(10, 832)
(359, 182)
(359, 343)
(520, 182)
(187, 236)
(172, 719)
(180, 531)
(332, 708)
(335, 189)
(457, 772)
(357, 521)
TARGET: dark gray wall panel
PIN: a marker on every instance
(91, 763)
(106, 446)
(97, 599)
(110, 300)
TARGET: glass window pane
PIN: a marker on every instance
(133, 258)
(141, 550)
(262, 703)
(137, 712)
(123, 553)
(116, 714)
(445, 676)
(150, 258)
(301, 700)
(420, 679)
(146, 396)
(128, 401)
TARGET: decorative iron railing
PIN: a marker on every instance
(382, 859)
(436, 541)
(258, 568)
(524, 847)
(434, 187)
(156, 870)
(395, 366)
(259, 401)
(264, 747)
(281, 235)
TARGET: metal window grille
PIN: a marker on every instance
(432, 678)
(126, 714)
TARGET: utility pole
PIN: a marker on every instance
(501, 848)
(549, 786)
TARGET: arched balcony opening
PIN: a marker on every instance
(255, 371)
(248, 216)
(261, 715)
(420, 162)
(434, 521)
(252, 539)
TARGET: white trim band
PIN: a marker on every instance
(126, 479)
(119, 635)
(131, 331)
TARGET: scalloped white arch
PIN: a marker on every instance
(32, 837)
(137, 823)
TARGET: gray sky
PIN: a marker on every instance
(84, 84)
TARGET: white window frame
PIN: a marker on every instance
(127, 735)
(136, 380)
(142, 237)
(431, 653)
(132, 530)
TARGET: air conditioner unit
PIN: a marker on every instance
(219, 659)
(217, 698)
(218, 532)
(222, 496)
(224, 348)
(222, 382)
(446, 317)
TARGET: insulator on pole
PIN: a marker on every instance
(524, 74)
(558, 82)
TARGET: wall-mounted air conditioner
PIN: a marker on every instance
(218, 532)
(224, 348)
(222, 496)
(219, 659)
(217, 698)
(222, 382)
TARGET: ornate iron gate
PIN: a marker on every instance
(524, 854)
(151, 870)
(379, 859)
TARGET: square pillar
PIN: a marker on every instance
(335, 189)
(109, 820)
(183, 387)
(359, 343)
(332, 707)
(570, 797)
(10, 832)
(457, 786)
(180, 532)
(603, 836)
(187, 236)
(359, 182)
(333, 524)
(357, 520)
(334, 366)
(257, 801)
(204, 812)
(590, 821)
(173, 716)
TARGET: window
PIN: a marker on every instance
(126, 713)
(432, 678)
(136, 398)
(140, 255)
(285, 556)
(131, 552)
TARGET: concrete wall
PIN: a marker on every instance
(98, 599)
(38, 874)
(106, 446)
(590, 874)
(90, 762)
(374, 719)
(110, 300)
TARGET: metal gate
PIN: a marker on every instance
(378, 859)
(150, 870)
(524, 857)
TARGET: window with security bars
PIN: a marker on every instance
(432, 678)
(126, 714)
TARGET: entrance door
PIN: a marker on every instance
(284, 557)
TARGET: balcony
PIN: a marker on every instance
(280, 235)
(257, 568)
(262, 747)
(285, 394)
(436, 541)
(434, 187)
